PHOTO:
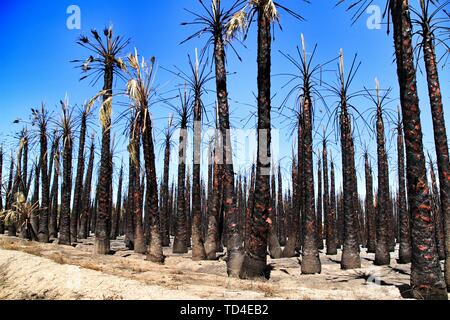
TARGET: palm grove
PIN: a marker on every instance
(251, 216)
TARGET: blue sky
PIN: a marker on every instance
(37, 47)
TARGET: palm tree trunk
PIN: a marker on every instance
(43, 234)
(310, 253)
(329, 213)
(76, 207)
(255, 261)
(436, 203)
(198, 247)
(281, 209)
(370, 210)
(86, 198)
(180, 241)
(382, 255)
(294, 226)
(154, 251)
(274, 246)
(102, 244)
(440, 138)
(118, 208)
(165, 211)
(66, 190)
(351, 253)
(405, 228)
(320, 206)
(234, 244)
(53, 221)
(333, 220)
(427, 281)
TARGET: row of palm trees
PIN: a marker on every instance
(250, 216)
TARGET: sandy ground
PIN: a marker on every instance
(37, 271)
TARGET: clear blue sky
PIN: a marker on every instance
(37, 48)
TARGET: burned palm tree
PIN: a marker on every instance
(218, 23)
(438, 219)
(430, 23)
(180, 241)
(329, 213)
(404, 219)
(87, 190)
(66, 126)
(427, 281)
(108, 64)
(305, 88)
(78, 188)
(369, 206)
(118, 209)
(351, 252)
(41, 119)
(56, 167)
(165, 205)
(141, 91)
(382, 254)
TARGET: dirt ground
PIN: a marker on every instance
(49, 271)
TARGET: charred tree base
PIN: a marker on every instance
(290, 249)
(155, 252)
(102, 246)
(382, 256)
(332, 250)
(12, 231)
(350, 260)
(180, 247)
(236, 255)
(274, 246)
(211, 250)
(371, 247)
(139, 246)
(404, 256)
(311, 264)
(253, 267)
(43, 238)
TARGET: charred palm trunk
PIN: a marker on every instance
(86, 197)
(212, 238)
(319, 206)
(234, 244)
(8, 196)
(154, 251)
(102, 241)
(181, 233)
(76, 207)
(198, 247)
(351, 253)
(135, 147)
(436, 203)
(35, 198)
(427, 281)
(43, 234)
(440, 138)
(333, 207)
(280, 209)
(66, 189)
(274, 245)
(329, 213)
(370, 209)
(53, 220)
(118, 208)
(165, 210)
(405, 227)
(255, 261)
(25, 165)
(188, 209)
(294, 227)
(130, 224)
(382, 255)
(310, 253)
